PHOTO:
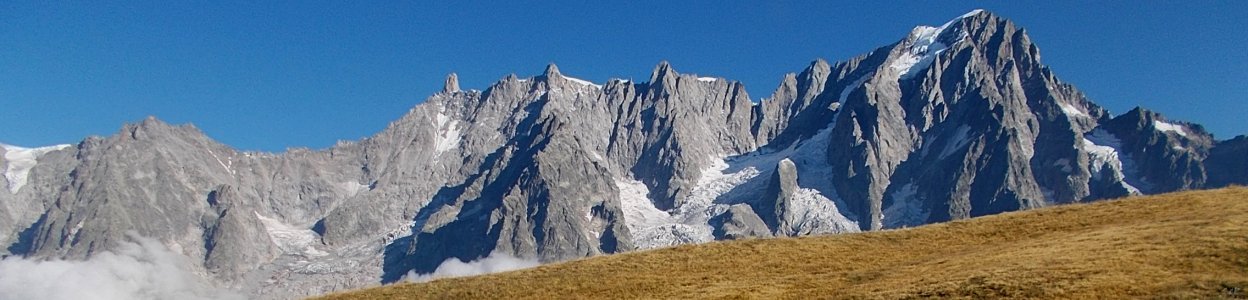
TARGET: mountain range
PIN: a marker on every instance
(950, 122)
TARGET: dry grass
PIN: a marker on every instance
(1182, 245)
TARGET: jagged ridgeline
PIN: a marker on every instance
(951, 122)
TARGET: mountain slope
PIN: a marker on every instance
(1185, 245)
(950, 122)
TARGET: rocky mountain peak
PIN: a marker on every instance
(663, 74)
(151, 127)
(987, 31)
(951, 122)
(153, 123)
(1137, 117)
(551, 71)
(976, 19)
(818, 68)
(1141, 119)
(451, 85)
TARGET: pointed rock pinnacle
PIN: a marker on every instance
(452, 84)
(552, 71)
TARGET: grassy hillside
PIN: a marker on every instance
(1181, 245)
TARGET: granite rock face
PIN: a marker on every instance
(951, 122)
(739, 222)
(779, 195)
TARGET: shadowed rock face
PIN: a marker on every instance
(951, 122)
(1168, 155)
(1228, 163)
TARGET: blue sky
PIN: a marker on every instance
(267, 75)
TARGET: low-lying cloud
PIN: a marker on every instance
(494, 263)
(141, 269)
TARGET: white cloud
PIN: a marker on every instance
(142, 269)
(494, 263)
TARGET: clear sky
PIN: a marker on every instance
(267, 75)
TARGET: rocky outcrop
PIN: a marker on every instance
(774, 206)
(235, 238)
(451, 85)
(739, 222)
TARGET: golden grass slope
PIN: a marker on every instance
(1180, 245)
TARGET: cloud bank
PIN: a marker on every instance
(494, 263)
(142, 269)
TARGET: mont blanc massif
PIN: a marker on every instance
(950, 122)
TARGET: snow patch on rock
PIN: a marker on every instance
(1103, 151)
(639, 212)
(960, 139)
(291, 239)
(1064, 165)
(1071, 110)
(907, 208)
(853, 86)
(226, 164)
(352, 188)
(448, 133)
(20, 161)
(1170, 127)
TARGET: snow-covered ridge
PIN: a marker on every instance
(708, 79)
(1171, 127)
(582, 82)
(20, 160)
(924, 48)
(971, 13)
(920, 54)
